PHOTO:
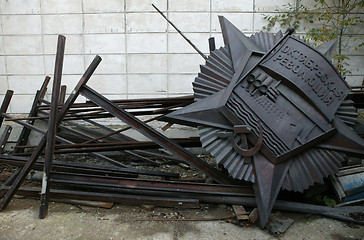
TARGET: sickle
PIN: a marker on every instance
(252, 151)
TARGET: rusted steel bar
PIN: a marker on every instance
(52, 127)
(128, 102)
(155, 185)
(153, 134)
(87, 132)
(116, 146)
(33, 158)
(119, 135)
(24, 134)
(159, 155)
(179, 31)
(112, 197)
(120, 130)
(144, 159)
(5, 104)
(9, 181)
(95, 124)
(99, 114)
(62, 140)
(89, 169)
(4, 138)
(62, 95)
(190, 141)
(212, 45)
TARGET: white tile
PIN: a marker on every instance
(104, 43)
(244, 22)
(184, 63)
(110, 64)
(62, 24)
(21, 103)
(70, 81)
(104, 23)
(356, 65)
(93, 6)
(145, 22)
(108, 84)
(177, 44)
(2, 65)
(145, 5)
(147, 63)
(354, 80)
(81, 99)
(26, 84)
(74, 44)
(72, 64)
(350, 45)
(64, 6)
(260, 22)
(147, 43)
(190, 22)
(1, 45)
(180, 84)
(20, 7)
(115, 97)
(3, 84)
(25, 64)
(21, 24)
(146, 96)
(23, 45)
(189, 5)
(270, 6)
(219, 41)
(147, 84)
(236, 5)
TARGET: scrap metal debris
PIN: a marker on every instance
(270, 109)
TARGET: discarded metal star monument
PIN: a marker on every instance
(272, 110)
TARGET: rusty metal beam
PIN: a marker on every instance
(153, 134)
(112, 197)
(5, 104)
(60, 166)
(24, 134)
(4, 138)
(33, 158)
(52, 127)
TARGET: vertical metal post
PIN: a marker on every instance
(5, 104)
(25, 132)
(52, 127)
(37, 152)
(212, 45)
(4, 138)
(62, 96)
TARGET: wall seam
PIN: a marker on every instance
(126, 53)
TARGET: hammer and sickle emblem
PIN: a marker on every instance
(243, 129)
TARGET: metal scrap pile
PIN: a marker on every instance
(249, 119)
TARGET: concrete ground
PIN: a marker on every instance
(20, 221)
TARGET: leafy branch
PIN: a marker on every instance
(324, 22)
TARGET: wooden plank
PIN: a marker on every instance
(240, 212)
(353, 183)
(350, 171)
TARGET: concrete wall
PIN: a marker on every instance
(142, 55)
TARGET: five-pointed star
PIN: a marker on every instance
(212, 111)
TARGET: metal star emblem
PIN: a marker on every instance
(272, 110)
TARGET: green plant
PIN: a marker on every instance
(325, 21)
